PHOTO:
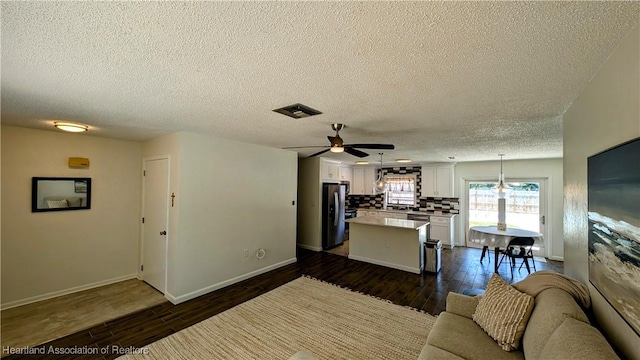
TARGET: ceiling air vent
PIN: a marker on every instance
(298, 111)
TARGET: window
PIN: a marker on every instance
(522, 205)
(401, 190)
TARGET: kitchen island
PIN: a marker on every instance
(394, 243)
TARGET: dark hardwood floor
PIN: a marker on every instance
(461, 270)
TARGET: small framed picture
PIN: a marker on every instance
(80, 186)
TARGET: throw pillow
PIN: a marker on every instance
(57, 204)
(503, 312)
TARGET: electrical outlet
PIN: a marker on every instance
(246, 252)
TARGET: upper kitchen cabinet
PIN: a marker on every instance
(329, 170)
(437, 180)
(363, 178)
(346, 173)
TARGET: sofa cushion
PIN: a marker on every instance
(74, 201)
(462, 337)
(57, 204)
(431, 352)
(575, 339)
(552, 307)
(462, 305)
(503, 312)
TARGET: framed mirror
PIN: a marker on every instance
(60, 194)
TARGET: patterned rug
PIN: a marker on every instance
(304, 314)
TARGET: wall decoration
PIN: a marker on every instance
(614, 228)
(60, 194)
(80, 186)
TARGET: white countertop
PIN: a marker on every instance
(411, 212)
(382, 221)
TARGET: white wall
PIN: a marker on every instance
(52, 253)
(309, 204)
(230, 196)
(605, 114)
(550, 169)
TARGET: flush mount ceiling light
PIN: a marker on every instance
(403, 160)
(70, 127)
(297, 111)
(362, 163)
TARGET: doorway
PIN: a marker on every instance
(155, 210)
(525, 206)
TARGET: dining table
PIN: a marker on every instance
(490, 236)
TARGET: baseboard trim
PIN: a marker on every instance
(556, 258)
(309, 247)
(72, 290)
(386, 264)
(192, 295)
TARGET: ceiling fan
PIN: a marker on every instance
(337, 145)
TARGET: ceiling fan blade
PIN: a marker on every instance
(319, 152)
(355, 152)
(304, 147)
(372, 146)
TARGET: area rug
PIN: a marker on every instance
(305, 314)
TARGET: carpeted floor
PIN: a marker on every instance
(304, 314)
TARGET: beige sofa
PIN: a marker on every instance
(557, 329)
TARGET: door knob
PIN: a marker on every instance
(163, 233)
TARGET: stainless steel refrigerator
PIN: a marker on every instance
(333, 196)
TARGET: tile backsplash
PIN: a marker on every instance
(427, 204)
(376, 201)
(440, 205)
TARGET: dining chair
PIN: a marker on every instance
(519, 248)
(485, 252)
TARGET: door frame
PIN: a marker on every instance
(142, 227)
(545, 205)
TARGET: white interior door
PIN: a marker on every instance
(154, 227)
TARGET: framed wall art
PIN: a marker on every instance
(613, 181)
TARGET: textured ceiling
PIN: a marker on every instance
(436, 79)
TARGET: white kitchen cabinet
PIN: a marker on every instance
(329, 171)
(362, 181)
(442, 229)
(346, 173)
(437, 180)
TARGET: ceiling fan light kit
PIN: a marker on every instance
(338, 146)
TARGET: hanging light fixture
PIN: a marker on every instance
(501, 188)
(380, 185)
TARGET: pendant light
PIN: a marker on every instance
(380, 185)
(501, 188)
